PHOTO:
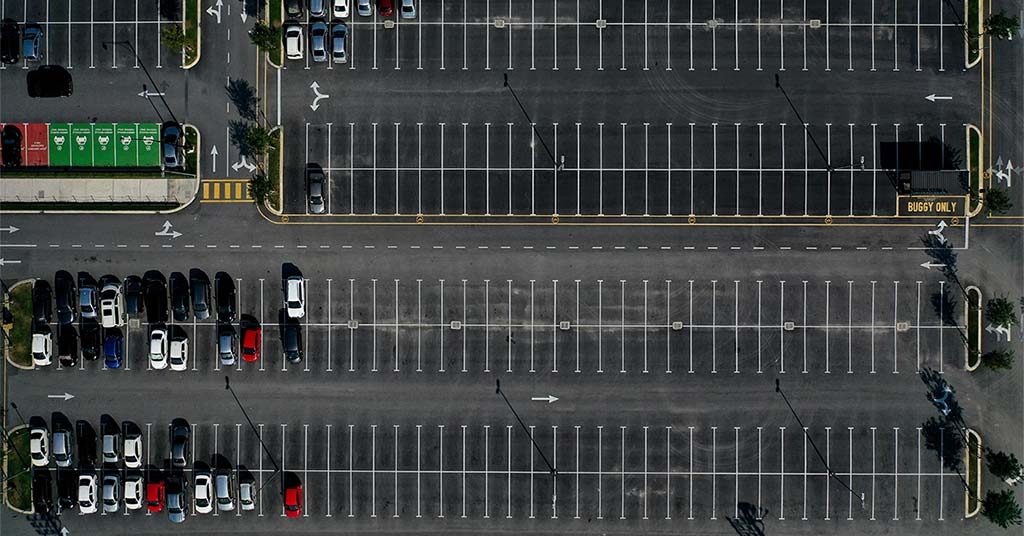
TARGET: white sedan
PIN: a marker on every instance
(158, 349)
(204, 493)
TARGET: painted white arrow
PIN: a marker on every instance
(243, 163)
(5, 261)
(214, 153)
(318, 96)
(65, 396)
(10, 229)
(549, 399)
(166, 231)
(216, 12)
(244, 16)
(147, 93)
(929, 265)
(933, 97)
(64, 531)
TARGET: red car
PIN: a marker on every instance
(293, 501)
(252, 338)
(156, 495)
(385, 8)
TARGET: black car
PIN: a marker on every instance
(291, 341)
(179, 297)
(66, 297)
(67, 346)
(199, 288)
(133, 302)
(225, 297)
(155, 289)
(10, 139)
(89, 339)
(42, 490)
(10, 42)
(42, 299)
(293, 8)
(67, 488)
(180, 434)
(49, 81)
(85, 438)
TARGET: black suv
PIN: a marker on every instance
(225, 297)
(66, 297)
(199, 287)
(42, 297)
(179, 297)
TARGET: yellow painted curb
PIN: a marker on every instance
(967, 348)
(972, 437)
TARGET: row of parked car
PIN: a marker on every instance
(133, 486)
(340, 8)
(319, 46)
(103, 308)
(17, 42)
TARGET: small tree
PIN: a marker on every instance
(261, 187)
(265, 37)
(174, 38)
(1005, 467)
(257, 141)
(1001, 312)
(997, 201)
(1001, 508)
(1000, 26)
(998, 359)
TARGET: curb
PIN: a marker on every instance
(7, 504)
(266, 20)
(198, 175)
(7, 349)
(972, 436)
(981, 176)
(968, 63)
(967, 348)
(280, 173)
(199, 36)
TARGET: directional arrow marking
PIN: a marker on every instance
(549, 399)
(10, 229)
(147, 93)
(933, 97)
(929, 265)
(318, 96)
(243, 163)
(214, 153)
(65, 396)
(166, 231)
(5, 261)
(216, 12)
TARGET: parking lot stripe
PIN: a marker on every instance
(849, 327)
(419, 325)
(782, 35)
(351, 167)
(759, 326)
(463, 471)
(508, 474)
(873, 326)
(373, 470)
(690, 443)
(714, 472)
(782, 473)
(782, 328)
(804, 515)
(327, 455)
(804, 327)
(284, 461)
(351, 507)
(895, 312)
(487, 469)
(828, 320)
(849, 483)
(261, 471)
(622, 472)
(759, 473)
(441, 327)
(918, 508)
(873, 472)
(736, 471)
(351, 316)
(896, 473)
(440, 470)
(373, 329)
(216, 439)
(622, 326)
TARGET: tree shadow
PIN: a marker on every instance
(750, 521)
(942, 438)
(946, 309)
(237, 130)
(170, 9)
(939, 388)
(242, 95)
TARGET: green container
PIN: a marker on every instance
(127, 151)
(60, 144)
(81, 145)
(149, 145)
(104, 144)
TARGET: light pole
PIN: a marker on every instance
(277, 468)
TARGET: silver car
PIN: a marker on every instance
(364, 8)
(111, 492)
(408, 9)
(222, 484)
(318, 41)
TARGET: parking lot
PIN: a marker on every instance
(660, 34)
(623, 169)
(589, 327)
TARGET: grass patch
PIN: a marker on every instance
(973, 327)
(274, 170)
(973, 456)
(974, 165)
(21, 331)
(275, 14)
(191, 30)
(973, 31)
(20, 495)
(191, 150)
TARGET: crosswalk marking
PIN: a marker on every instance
(226, 191)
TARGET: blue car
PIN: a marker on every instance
(113, 349)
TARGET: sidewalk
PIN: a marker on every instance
(169, 189)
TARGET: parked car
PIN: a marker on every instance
(339, 9)
(111, 492)
(408, 9)
(226, 297)
(317, 8)
(158, 346)
(315, 188)
(67, 346)
(10, 140)
(293, 500)
(39, 442)
(132, 446)
(226, 340)
(90, 339)
(133, 486)
(179, 433)
(177, 506)
(291, 342)
(339, 33)
(42, 345)
(63, 446)
(111, 443)
(133, 302)
(111, 305)
(65, 297)
(363, 8)
(156, 495)
(42, 302)
(252, 340)
(42, 491)
(67, 489)
(179, 297)
(9, 34)
(155, 288)
(49, 81)
(87, 297)
(87, 491)
(293, 41)
(223, 483)
(295, 296)
(173, 142)
(85, 438)
(385, 8)
(293, 8)
(199, 288)
(247, 492)
(113, 349)
(318, 41)
(177, 355)
(202, 494)
(31, 42)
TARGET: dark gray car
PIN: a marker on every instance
(315, 185)
(173, 141)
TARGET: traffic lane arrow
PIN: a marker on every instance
(213, 154)
(65, 396)
(10, 229)
(933, 97)
(550, 399)
(929, 265)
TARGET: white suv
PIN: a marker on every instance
(295, 296)
(158, 348)
(111, 306)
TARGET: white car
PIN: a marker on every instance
(339, 9)
(87, 492)
(293, 41)
(247, 495)
(133, 450)
(204, 493)
(178, 355)
(158, 348)
(408, 9)
(111, 493)
(39, 447)
(295, 296)
(364, 8)
(42, 347)
(111, 306)
(63, 453)
(133, 486)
